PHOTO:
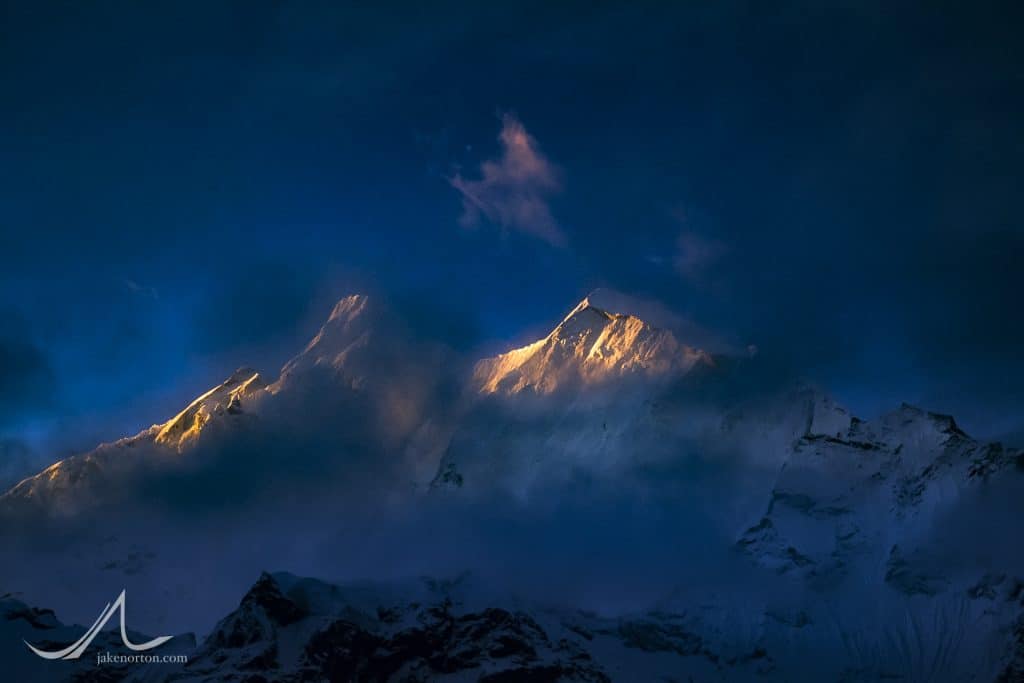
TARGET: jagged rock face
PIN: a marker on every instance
(869, 495)
(494, 643)
(589, 346)
(302, 630)
(290, 629)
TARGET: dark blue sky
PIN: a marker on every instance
(186, 188)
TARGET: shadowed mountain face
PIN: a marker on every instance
(719, 522)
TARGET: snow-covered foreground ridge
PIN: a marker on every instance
(291, 629)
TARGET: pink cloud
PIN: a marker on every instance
(513, 190)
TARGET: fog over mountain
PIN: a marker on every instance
(534, 341)
(607, 500)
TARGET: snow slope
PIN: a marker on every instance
(88, 480)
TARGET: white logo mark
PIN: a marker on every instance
(75, 650)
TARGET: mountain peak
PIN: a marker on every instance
(590, 345)
(242, 374)
(349, 307)
(346, 330)
(585, 314)
(588, 306)
(226, 398)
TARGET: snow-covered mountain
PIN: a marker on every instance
(244, 386)
(600, 394)
(876, 548)
(590, 346)
(293, 629)
(352, 330)
(288, 628)
(364, 351)
(88, 480)
(361, 362)
(873, 487)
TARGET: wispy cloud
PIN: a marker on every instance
(513, 190)
(694, 253)
(142, 290)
